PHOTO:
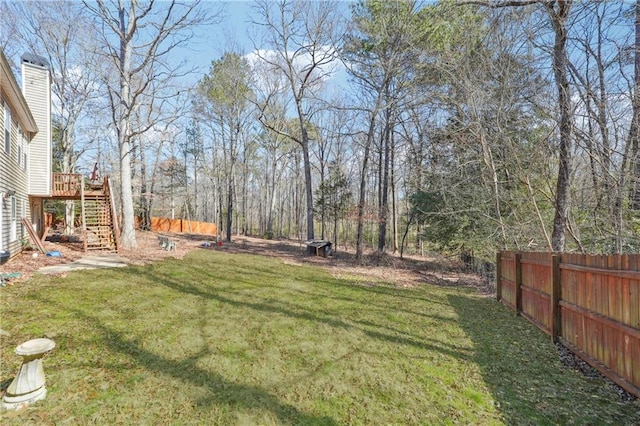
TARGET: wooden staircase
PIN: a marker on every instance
(100, 229)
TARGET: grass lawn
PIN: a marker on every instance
(219, 338)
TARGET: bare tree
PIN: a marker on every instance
(597, 71)
(137, 38)
(634, 129)
(558, 12)
(62, 33)
(377, 53)
(226, 90)
(301, 36)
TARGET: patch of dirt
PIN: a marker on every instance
(148, 250)
(409, 271)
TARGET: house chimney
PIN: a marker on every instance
(36, 89)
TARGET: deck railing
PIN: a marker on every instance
(66, 184)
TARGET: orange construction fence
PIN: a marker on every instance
(162, 224)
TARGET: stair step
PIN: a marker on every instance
(98, 222)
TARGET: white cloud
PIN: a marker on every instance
(326, 66)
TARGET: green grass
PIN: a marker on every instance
(220, 338)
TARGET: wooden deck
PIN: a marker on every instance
(69, 186)
(99, 224)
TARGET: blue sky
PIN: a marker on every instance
(231, 34)
(213, 40)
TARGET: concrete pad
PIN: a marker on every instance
(87, 262)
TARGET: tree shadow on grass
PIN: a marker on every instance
(377, 330)
(357, 299)
(387, 290)
(219, 389)
(302, 313)
(521, 368)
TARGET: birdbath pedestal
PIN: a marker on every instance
(29, 384)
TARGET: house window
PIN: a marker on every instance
(7, 129)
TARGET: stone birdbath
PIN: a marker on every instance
(29, 384)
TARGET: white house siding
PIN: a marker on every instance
(36, 85)
(13, 177)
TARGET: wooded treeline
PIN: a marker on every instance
(394, 126)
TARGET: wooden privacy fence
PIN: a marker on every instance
(589, 303)
(161, 224)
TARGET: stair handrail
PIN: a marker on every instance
(114, 216)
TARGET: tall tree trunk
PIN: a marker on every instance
(363, 177)
(323, 209)
(245, 173)
(196, 208)
(383, 212)
(487, 156)
(361, 200)
(394, 207)
(634, 130)
(335, 232)
(231, 182)
(229, 228)
(128, 235)
(145, 199)
(560, 62)
(220, 203)
(67, 167)
(307, 180)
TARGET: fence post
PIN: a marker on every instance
(556, 331)
(498, 276)
(518, 265)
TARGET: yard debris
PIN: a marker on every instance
(166, 243)
(319, 247)
(571, 360)
(5, 277)
(71, 249)
(409, 271)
